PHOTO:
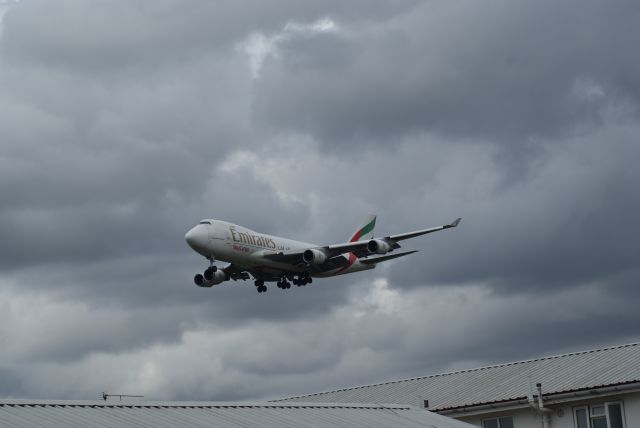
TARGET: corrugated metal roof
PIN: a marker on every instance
(88, 414)
(577, 371)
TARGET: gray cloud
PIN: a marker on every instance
(123, 124)
(506, 71)
(138, 36)
(565, 224)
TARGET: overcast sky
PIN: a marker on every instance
(123, 123)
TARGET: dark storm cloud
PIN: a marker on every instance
(501, 70)
(124, 123)
(110, 35)
(568, 222)
(149, 215)
(108, 157)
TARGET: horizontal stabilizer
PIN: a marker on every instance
(375, 260)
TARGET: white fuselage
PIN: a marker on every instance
(243, 247)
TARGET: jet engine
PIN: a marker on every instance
(217, 278)
(378, 246)
(314, 257)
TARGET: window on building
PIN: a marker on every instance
(582, 421)
(598, 417)
(604, 415)
(503, 422)
(614, 414)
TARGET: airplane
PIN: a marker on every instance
(285, 261)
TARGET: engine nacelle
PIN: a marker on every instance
(378, 246)
(218, 277)
(314, 257)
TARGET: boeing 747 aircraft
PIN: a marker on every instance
(271, 258)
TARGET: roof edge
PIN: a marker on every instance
(199, 404)
(531, 360)
(555, 397)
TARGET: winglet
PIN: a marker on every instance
(454, 223)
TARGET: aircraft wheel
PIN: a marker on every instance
(309, 280)
(208, 274)
(264, 288)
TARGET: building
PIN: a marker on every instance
(592, 389)
(88, 414)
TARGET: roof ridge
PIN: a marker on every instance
(512, 363)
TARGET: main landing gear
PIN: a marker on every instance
(303, 279)
(283, 283)
(260, 286)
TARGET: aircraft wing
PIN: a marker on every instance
(359, 248)
(408, 235)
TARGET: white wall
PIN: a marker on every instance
(632, 410)
(523, 418)
(563, 415)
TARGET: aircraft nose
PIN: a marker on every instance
(197, 238)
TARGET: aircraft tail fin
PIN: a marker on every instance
(365, 229)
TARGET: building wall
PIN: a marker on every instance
(522, 418)
(632, 410)
(563, 415)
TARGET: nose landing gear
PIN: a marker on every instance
(208, 273)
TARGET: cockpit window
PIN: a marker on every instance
(205, 222)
